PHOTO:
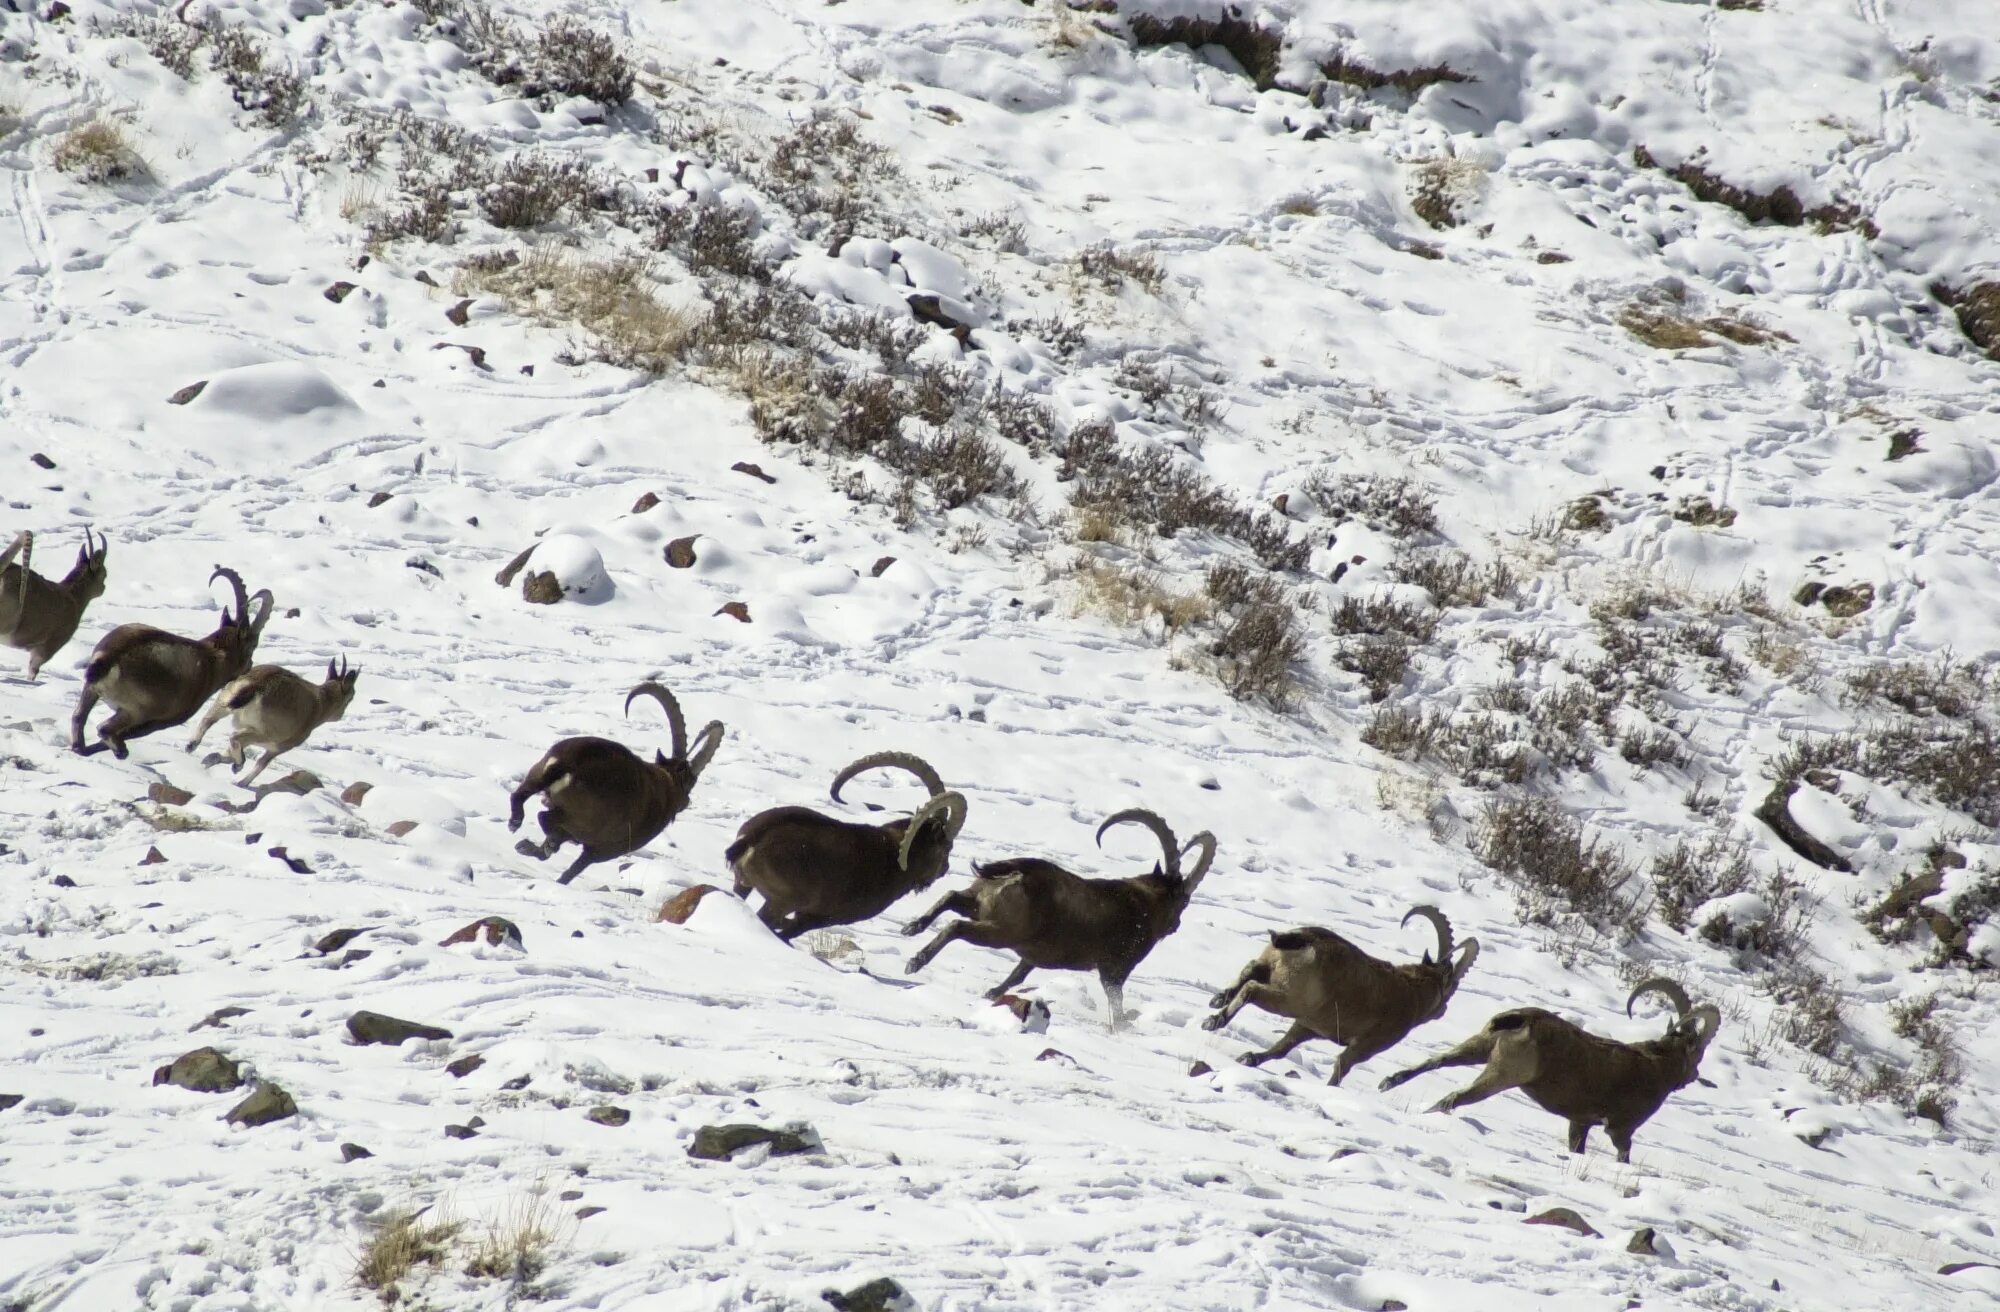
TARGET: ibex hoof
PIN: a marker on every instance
(526, 848)
(911, 930)
(913, 965)
(1214, 1022)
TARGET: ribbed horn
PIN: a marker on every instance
(265, 601)
(1170, 849)
(704, 747)
(916, 765)
(1468, 952)
(952, 804)
(1667, 989)
(236, 586)
(1206, 842)
(1439, 923)
(676, 723)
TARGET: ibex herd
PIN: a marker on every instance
(813, 871)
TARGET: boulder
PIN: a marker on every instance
(266, 1103)
(205, 1070)
(718, 1143)
(374, 1027)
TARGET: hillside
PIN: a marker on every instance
(1495, 455)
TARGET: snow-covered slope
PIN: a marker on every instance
(1658, 418)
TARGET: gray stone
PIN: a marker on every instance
(266, 1103)
(374, 1027)
(718, 1143)
(205, 1070)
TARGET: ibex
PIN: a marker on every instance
(38, 614)
(155, 680)
(606, 799)
(1054, 920)
(276, 710)
(815, 870)
(1331, 989)
(1577, 1075)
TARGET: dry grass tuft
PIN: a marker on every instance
(98, 151)
(609, 299)
(403, 1242)
(1136, 598)
(1442, 190)
(518, 1245)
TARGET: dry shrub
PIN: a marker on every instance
(1155, 491)
(532, 189)
(275, 95)
(1934, 687)
(1354, 73)
(1111, 268)
(1441, 190)
(1780, 205)
(98, 151)
(1382, 636)
(1260, 642)
(1452, 577)
(1553, 865)
(1256, 48)
(827, 174)
(1663, 329)
(1406, 734)
(1133, 598)
(1978, 311)
(611, 300)
(401, 1243)
(1401, 506)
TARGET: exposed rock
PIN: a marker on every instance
(1978, 310)
(1565, 1217)
(351, 956)
(265, 1104)
(878, 1295)
(338, 292)
(401, 827)
(736, 610)
(1201, 1068)
(681, 905)
(646, 501)
(1033, 1013)
(425, 278)
(354, 792)
(718, 1143)
(168, 795)
(9, 1100)
(353, 1152)
(153, 857)
(205, 1070)
(215, 1018)
(585, 1213)
(755, 471)
(477, 354)
(495, 931)
(377, 499)
(461, 1132)
(60, 881)
(1055, 1054)
(680, 552)
(464, 1066)
(1394, 1305)
(1552, 257)
(1775, 811)
(457, 313)
(881, 564)
(1907, 442)
(1846, 602)
(609, 1115)
(41, 461)
(188, 393)
(518, 1083)
(1643, 1242)
(374, 1027)
(339, 939)
(929, 309)
(542, 588)
(1953, 1268)
(292, 863)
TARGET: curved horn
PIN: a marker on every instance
(1170, 850)
(916, 765)
(952, 804)
(1440, 924)
(704, 747)
(1206, 842)
(236, 586)
(265, 601)
(1667, 989)
(1710, 1013)
(676, 723)
(1468, 952)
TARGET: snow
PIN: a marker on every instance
(982, 1163)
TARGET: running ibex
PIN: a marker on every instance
(39, 615)
(814, 870)
(606, 799)
(276, 710)
(1054, 920)
(1330, 989)
(155, 680)
(1577, 1075)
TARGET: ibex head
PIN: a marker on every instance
(689, 766)
(87, 577)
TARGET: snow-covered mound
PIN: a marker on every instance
(1534, 458)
